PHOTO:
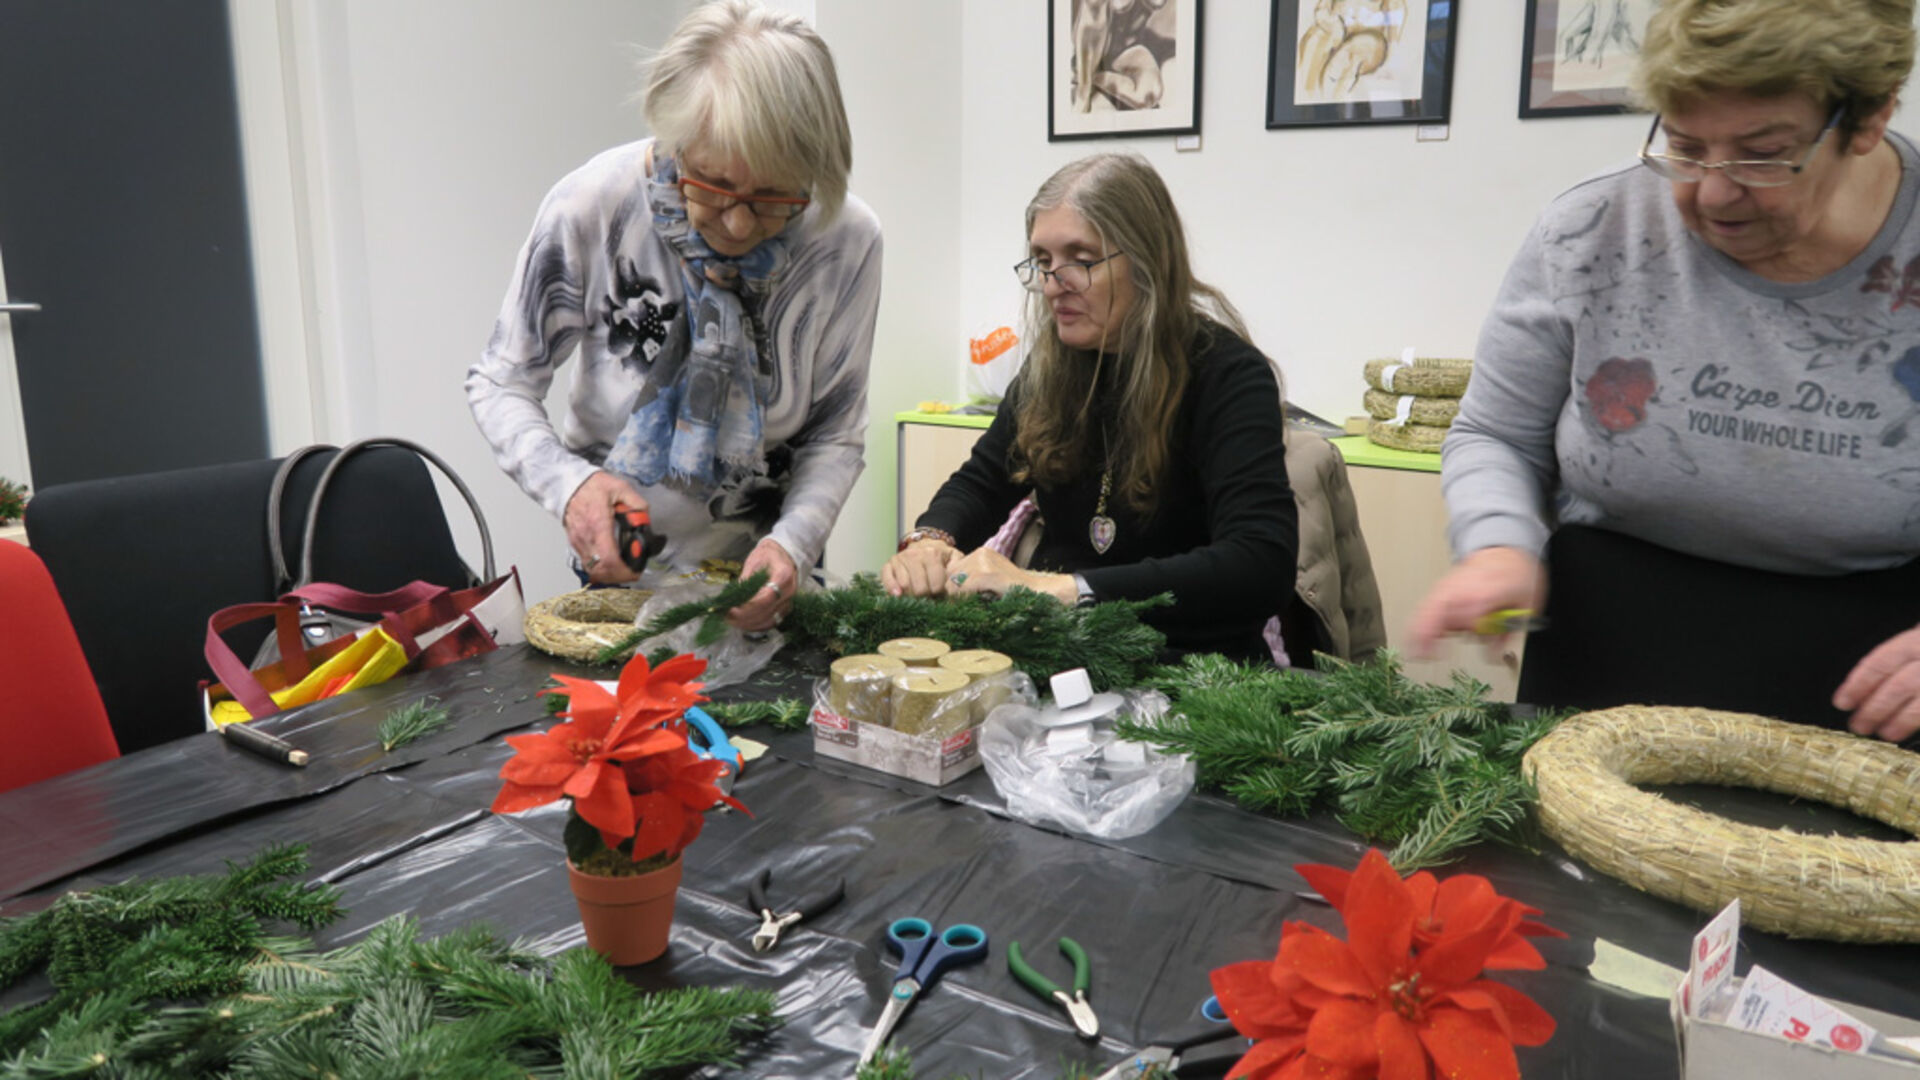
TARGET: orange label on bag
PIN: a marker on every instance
(987, 348)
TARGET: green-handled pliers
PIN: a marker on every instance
(1081, 1013)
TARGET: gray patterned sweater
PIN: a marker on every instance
(1631, 377)
(592, 276)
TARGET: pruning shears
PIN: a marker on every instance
(773, 920)
(1081, 1013)
(634, 538)
(707, 739)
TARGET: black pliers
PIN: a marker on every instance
(1081, 1013)
(772, 922)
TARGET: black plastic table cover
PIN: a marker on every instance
(408, 832)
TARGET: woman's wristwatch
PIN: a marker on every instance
(1084, 591)
(916, 535)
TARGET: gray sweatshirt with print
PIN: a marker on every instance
(1633, 378)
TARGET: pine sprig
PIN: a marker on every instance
(781, 714)
(173, 938)
(390, 1005)
(1427, 769)
(711, 611)
(1040, 634)
(412, 721)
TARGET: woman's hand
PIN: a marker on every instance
(1883, 690)
(770, 604)
(919, 569)
(1489, 580)
(987, 571)
(589, 524)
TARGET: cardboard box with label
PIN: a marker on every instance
(1763, 1027)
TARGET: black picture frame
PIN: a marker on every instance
(1304, 98)
(1165, 35)
(1575, 56)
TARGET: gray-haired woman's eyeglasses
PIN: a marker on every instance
(1074, 276)
(1686, 170)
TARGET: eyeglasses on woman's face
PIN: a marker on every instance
(720, 200)
(1074, 277)
(1747, 173)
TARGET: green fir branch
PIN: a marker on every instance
(781, 714)
(712, 611)
(390, 1005)
(1423, 770)
(1041, 635)
(412, 721)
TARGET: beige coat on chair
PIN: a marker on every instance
(1334, 574)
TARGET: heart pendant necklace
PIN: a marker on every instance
(1101, 530)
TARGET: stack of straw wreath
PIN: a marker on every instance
(1834, 887)
(1410, 403)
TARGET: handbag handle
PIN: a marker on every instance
(326, 478)
(282, 575)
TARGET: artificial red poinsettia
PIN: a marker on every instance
(1402, 998)
(622, 758)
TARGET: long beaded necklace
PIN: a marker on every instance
(1101, 529)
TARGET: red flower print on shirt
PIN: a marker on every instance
(1902, 285)
(1619, 390)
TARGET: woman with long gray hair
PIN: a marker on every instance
(1149, 431)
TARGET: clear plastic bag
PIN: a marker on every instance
(1080, 775)
(732, 657)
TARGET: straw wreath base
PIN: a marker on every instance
(1428, 376)
(1432, 411)
(1838, 888)
(1419, 438)
(579, 625)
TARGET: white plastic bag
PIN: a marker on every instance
(731, 658)
(993, 361)
(1079, 774)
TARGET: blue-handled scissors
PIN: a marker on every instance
(922, 958)
(709, 740)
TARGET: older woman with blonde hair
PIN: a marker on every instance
(720, 287)
(1715, 350)
(1149, 430)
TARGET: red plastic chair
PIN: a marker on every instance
(53, 721)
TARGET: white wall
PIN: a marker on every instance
(430, 131)
(1337, 244)
(902, 78)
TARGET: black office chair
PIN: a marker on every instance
(1629, 622)
(142, 561)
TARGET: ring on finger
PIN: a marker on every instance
(777, 594)
(590, 562)
(959, 578)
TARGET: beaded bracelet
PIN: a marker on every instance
(941, 535)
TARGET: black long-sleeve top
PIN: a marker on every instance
(1222, 536)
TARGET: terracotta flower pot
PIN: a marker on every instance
(627, 918)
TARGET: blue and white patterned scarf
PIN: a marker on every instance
(699, 424)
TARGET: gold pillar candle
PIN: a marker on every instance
(915, 651)
(860, 687)
(991, 673)
(928, 701)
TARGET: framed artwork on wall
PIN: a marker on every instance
(1576, 55)
(1122, 67)
(1360, 62)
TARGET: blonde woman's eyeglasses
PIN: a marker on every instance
(717, 198)
(1753, 174)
